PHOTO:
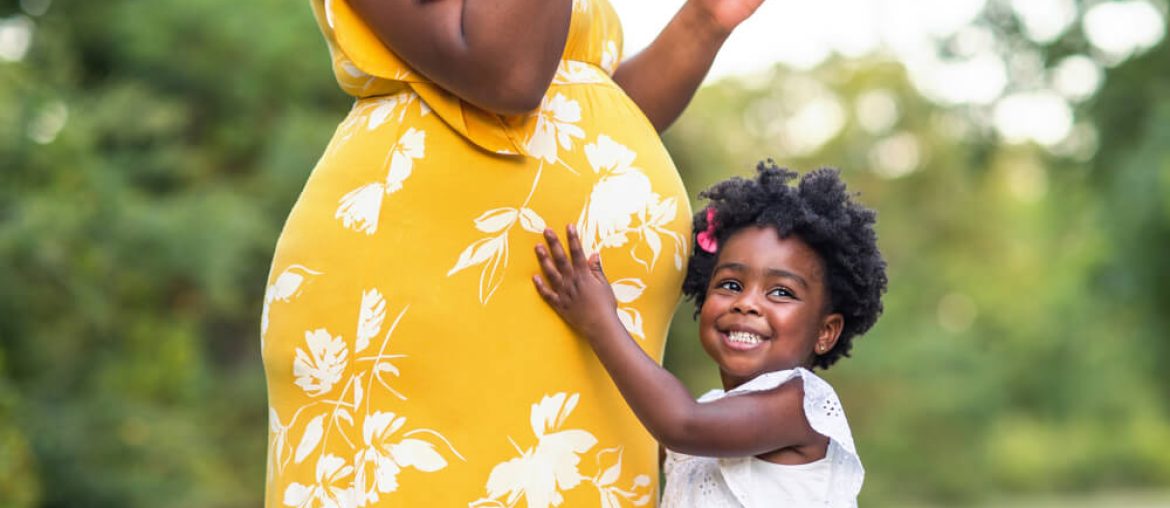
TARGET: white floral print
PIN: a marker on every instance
(386, 448)
(373, 312)
(360, 208)
(358, 82)
(626, 291)
(381, 460)
(277, 442)
(610, 57)
(620, 196)
(331, 470)
(655, 222)
(572, 72)
(288, 285)
(555, 125)
(542, 473)
(372, 113)
(622, 191)
(319, 368)
(382, 108)
(609, 470)
(492, 251)
(329, 16)
(310, 438)
(411, 146)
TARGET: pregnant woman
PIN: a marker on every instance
(409, 361)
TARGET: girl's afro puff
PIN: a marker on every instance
(820, 212)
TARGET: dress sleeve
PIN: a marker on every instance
(362, 47)
(825, 415)
(359, 43)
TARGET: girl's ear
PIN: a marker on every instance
(830, 332)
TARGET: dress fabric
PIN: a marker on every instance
(748, 482)
(410, 361)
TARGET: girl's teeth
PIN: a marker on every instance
(744, 337)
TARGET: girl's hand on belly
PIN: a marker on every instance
(574, 286)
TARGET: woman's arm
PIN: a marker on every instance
(749, 424)
(662, 79)
(500, 55)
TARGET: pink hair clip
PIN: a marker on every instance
(706, 238)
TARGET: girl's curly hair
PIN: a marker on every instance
(820, 212)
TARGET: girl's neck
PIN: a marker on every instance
(731, 383)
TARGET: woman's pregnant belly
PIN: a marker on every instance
(406, 350)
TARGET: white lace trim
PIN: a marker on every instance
(706, 481)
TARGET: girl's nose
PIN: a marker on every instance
(746, 304)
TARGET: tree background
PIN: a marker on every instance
(149, 152)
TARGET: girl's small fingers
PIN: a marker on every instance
(579, 259)
(595, 267)
(545, 293)
(558, 253)
(546, 265)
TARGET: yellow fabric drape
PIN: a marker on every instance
(410, 362)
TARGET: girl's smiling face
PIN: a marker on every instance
(766, 307)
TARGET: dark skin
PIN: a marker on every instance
(684, 51)
(766, 310)
(502, 55)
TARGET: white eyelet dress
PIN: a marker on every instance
(748, 482)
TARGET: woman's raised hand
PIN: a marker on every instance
(684, 51)
(725, 15)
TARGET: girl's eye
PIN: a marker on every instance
(780, 293)
(729, 285)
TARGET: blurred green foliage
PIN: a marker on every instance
(149, 152)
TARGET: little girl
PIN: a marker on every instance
(783, 279)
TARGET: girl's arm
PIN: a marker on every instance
(500, 55)
(662, 79)
(751, 424)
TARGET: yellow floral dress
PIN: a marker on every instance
(410, 361)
